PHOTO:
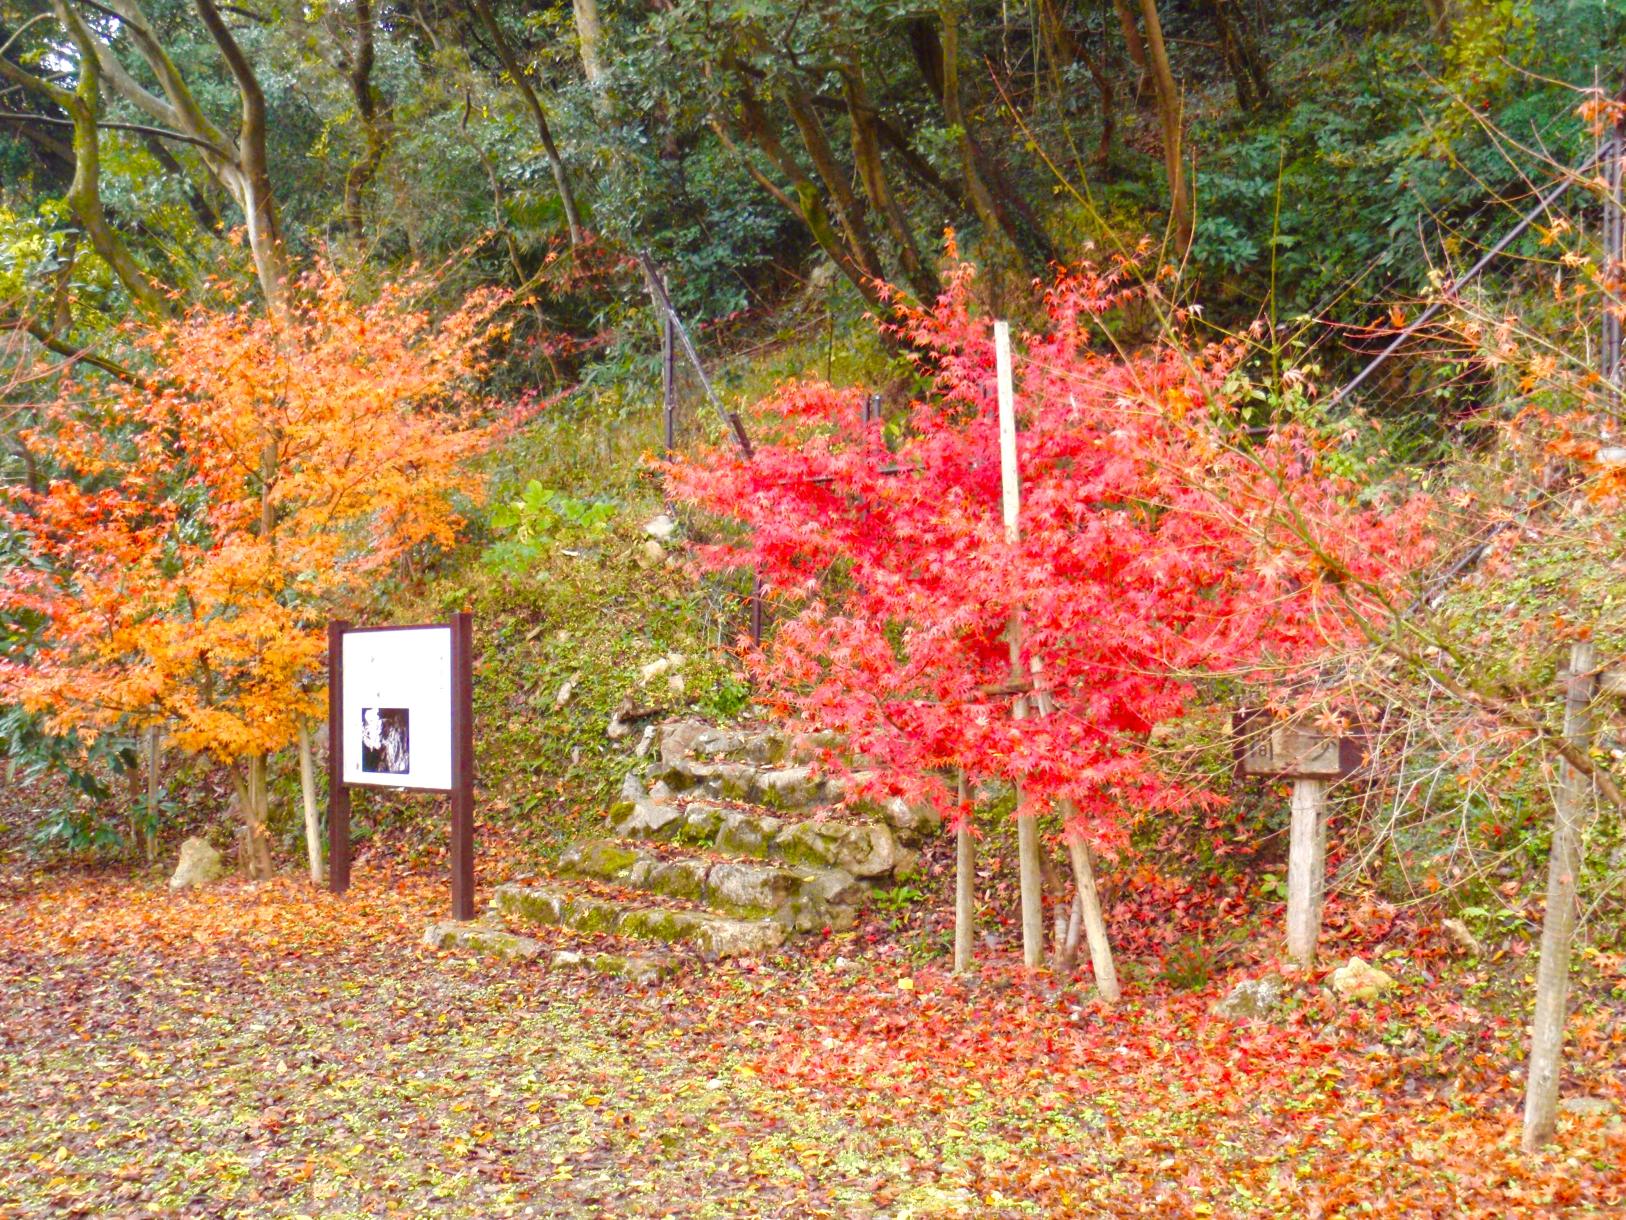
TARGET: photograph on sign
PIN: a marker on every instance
(386, 740)
(397, 692)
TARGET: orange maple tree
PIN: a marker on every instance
(189, 533)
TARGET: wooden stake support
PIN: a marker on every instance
(1558, 923)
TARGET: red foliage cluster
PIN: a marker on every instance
(1157, 543)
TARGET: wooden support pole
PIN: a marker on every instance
(1306, 869)
(1030, 872)
(338, 796)
(307, 792)
(1558, 923)
(1095, 924)
(1614, 251)
(965, 887)
(668, 382)
(463, 765)
(155, 737)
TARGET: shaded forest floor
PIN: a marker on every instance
(266, 1050)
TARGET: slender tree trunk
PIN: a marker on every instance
(849, 208)
(1240, 50)
(804, 198)
(872, 173)
(368, 110)
(253, 805)
(253, 170)
(1169, 110)
(84, 107)
(1133, 44)
(1066, 51)
(561, 177)
(590, 44)
(965, 887)
(976, 188)
(1306, 869)
(1558, 923)
(313, 820)
(1095, 924)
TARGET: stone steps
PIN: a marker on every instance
(585, 907)
(863, 848)
(726, 844)
(803, 899)
(489, 937)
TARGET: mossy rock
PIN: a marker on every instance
(530, 903)
(594, 915)
(601, 858)
(747, 834)
(478, 938)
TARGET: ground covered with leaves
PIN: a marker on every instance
(271, 1051)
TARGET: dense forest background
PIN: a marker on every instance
(1325, 156)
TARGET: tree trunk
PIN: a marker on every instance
(360, 78)
(965, 887)
(993, 197)
(1066, 51)
(872, 173)
(976, 188)
(590, 43)
(1306, 869)
(253, 165)
(1558, 923)
(849, 209)
(254, 806)
(1169, 115)
(1132, 42)
(1240, 49)
(1095, 923)
(805, 201)
(313, 820)
(561, 177)
(84, 106)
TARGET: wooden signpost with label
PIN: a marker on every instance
(401, 715)
(1295, 750)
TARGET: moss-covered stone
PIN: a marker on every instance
(678, 879)
(533, 904)
(602, 858)
(480, 938)
(594, 915)
(746, 834)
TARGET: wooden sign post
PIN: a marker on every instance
(401, 715)
(1293, 750)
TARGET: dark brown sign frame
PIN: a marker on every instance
(462, 789)
(1246, 723)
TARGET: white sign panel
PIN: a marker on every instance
(397, 701)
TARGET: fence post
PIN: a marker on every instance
(1558, 922)
(1614, 251)
(668, 381)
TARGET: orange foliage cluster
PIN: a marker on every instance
(191, 533)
